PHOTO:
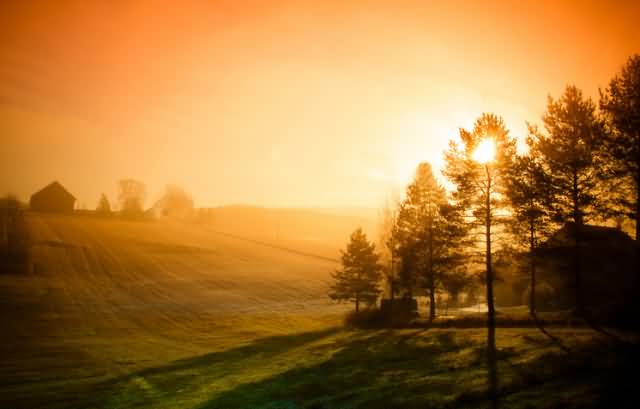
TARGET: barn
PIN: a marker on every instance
(607, 260)
(52, 198)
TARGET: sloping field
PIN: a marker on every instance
(159, 315)
(107, 297)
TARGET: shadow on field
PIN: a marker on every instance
(386, 371)
(376, 371)
(186, 375)
(382, 369)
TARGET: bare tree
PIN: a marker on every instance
(387, 242)
(131, 195)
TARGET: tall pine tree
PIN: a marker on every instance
(430, 235)
(480, 188)
(529, 193)
(569, 152)
(620, 103)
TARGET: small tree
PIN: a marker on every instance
(357, 280)
(104, 207)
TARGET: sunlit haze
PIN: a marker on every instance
(485, 152)
(299, 103)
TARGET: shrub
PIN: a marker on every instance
(367, 318)
(14, 236)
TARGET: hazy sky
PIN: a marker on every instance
(299, 103)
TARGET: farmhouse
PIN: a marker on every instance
(52, 198)
(606, 259)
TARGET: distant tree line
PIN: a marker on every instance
(132, 195)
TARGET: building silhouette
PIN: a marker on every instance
(52, 198)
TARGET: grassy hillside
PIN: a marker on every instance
(122, 314)
(108, 297)
(386, 369)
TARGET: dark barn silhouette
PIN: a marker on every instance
(52, 198)
(607, 261)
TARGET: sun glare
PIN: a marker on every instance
(485, 152)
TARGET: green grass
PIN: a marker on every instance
(146, 315)
(339, 368)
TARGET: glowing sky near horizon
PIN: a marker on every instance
(280, 103)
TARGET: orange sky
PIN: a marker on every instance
(299, 103)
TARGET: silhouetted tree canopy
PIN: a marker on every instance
(469, 177)
(481, 190)
(568, 150)
(430, 236)
(530, 195)
(620, 104)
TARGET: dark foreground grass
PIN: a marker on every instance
(386, 369)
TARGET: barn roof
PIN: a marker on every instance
(54, 187)
(589, 234)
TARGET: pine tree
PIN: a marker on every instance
(430, 235)
(529, 193)
(358, 279)
(620, 103)
(104, 207)
(480, 189)
(569, 153)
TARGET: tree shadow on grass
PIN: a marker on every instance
(441, 370)
(144, 387)
(374, 370)
(383, 370)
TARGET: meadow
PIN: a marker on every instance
(122, 314)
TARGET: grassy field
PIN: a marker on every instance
(136, 314)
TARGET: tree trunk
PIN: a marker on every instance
(532, 266)
(393, 292)
(637, 213)
(577, 267)
(432, 303)
(637, 261)
(491, 316)
(577, 225)
(432, 281)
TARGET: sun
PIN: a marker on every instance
(485, 151)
